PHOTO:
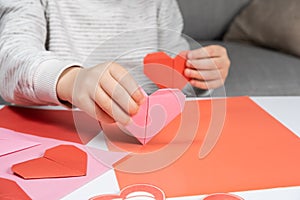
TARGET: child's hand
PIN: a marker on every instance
(207, 67)
(107, 92)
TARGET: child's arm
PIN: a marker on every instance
(31, 75)
(28, 72)
(170, 26)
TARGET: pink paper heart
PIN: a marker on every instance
(132, 192)
(158, 111)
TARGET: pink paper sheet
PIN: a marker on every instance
(8, 146)
(54, 188)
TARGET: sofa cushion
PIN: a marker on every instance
(257, 71)
(269, 23)
(209, 19)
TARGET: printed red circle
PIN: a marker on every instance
(222, 197)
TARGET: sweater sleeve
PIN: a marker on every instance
(28, 72)
(170, 26)
(170, 39)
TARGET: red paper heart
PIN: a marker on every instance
(11, 190)
(57, 162)
(165, 71)
(132, 192)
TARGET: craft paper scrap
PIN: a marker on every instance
(165, 71)
(11, 190)
(254, 151)
(135, 192)
(56, 188)
(57, 162)
(8, 146)
(157, 111)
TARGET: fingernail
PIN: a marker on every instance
(136, 109)
(188, 64)
(126, 121)
(187, 72)
(189, 55)
(142, 100)
(142, 96)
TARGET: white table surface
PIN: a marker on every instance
(284, 109)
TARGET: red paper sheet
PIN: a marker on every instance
(254, 151)
(56, 124)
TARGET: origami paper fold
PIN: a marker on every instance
(57, 162)
(11, 190)
(132, 192)
(158, 110)
(165, 71)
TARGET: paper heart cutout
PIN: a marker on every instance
(158, 110)
(165, 71)
(57, 162)
(135, 192)
(11, 190)
(222, 196)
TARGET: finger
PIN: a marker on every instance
(207, 52)
(102, 116)
(207, 84)
(208, 63)
(105, 102)
(119, 94)
(128, 83)
(204, 75)
(92, 109)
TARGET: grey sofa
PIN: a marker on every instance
(254, 71)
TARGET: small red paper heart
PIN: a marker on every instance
(132, 192)
(165, 71)
(57, 162)
(11, 190)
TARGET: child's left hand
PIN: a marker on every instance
(208, 67)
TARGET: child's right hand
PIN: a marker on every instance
(107, 92)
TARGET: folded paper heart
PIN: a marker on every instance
(57, 162)
(157, 111)
(135, 192)
(165, 71)
(11, 190)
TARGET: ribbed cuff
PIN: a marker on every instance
(46, 78)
